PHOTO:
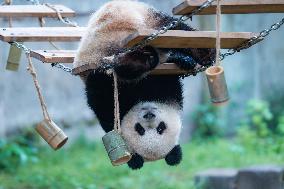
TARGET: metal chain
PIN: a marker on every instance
(62, 67)
(21, 46)
(173, 24)
(254, 40)
(28, 51)
(247, 44)
(60, 17)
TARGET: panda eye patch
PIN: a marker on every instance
(139, 129)
(161, 128)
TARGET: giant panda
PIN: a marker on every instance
(150, 105)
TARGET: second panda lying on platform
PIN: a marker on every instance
(150, 106)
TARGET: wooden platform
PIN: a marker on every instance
(41, 34)
(54, 56)
(171, 39)
(67, 56)
(34, 11)
(190, 39)
(232, 7)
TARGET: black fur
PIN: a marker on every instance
(200, 56)
(136, 162)
(161, 128)
(145, 60)
(139, 129)
(99, 91)
(182, 59)
(175, 156)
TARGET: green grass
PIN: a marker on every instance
(85, 165)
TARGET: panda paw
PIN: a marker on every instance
(134, 65)
(136, 162)
(182, 60)
(174, 157)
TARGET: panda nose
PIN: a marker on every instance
(149, 116)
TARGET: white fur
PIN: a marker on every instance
(111, 24)
(152, 146)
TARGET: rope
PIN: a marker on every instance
(32, 71)
(42, 24)
(60, 16)
(218, 28)
(116, 105)
(9, 2)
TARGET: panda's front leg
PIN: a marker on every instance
(134, 65)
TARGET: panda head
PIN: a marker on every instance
(152, 129)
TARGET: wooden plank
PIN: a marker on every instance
(190, 39)
(232, 7)
(34, 11)
(41, 34)
(171, 39)
(168, 69)
(67, 56)
(54, 56)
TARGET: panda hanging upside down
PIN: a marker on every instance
(150, 105)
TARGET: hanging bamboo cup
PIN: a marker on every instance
(217, 85)
(47, 129)
(116, 148)
(14, 58)
(115, 145)
(52, 134)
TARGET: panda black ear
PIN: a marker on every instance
(174, 157)
(136, 162)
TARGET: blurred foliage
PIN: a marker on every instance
(86, 165)
(17, 151)
(207, 121)
(275, 99)
(257, 118)
(27, 165)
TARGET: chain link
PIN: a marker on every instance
(62, 67)
(28, 51)
(21, 46)
(60, 17)
(254, 40)
(173, 24)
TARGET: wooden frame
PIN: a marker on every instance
(34, 11)
(190, 39)
(41, 34)
(232, 7)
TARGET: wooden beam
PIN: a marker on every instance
(34, 11)
(41, 34)
(190, 39)
(232, 7)
(67, 56)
